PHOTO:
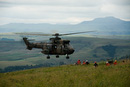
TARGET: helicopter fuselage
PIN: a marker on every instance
(56, 46)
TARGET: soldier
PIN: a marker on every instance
(78, 62)
(84, 63)
(87, 62)
(107, 63)
(95, 64)
(115, 62)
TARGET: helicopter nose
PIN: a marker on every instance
(71, 51)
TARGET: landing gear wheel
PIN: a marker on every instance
(48, 57)
(57, 56)
(67, 57)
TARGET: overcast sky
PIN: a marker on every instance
(61, 11)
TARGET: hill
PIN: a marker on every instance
(104, 26)
(70, 76)
(13, 53)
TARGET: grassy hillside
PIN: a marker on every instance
(70, 76)
(94, 49)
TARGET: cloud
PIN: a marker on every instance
(79, 3)
(119, 2)
(117, 8)
(61, 11)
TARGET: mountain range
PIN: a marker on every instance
(104, 26)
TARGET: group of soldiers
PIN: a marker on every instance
(108, 63)
(86, 63)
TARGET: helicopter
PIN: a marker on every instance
(56, 46)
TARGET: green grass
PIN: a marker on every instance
(70, 76)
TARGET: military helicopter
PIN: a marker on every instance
(56, 46)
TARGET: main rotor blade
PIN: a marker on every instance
(56, 34)
(76, 33)
(35, 34)
(31, 39)
(7, 34)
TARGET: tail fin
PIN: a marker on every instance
(28, 44)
